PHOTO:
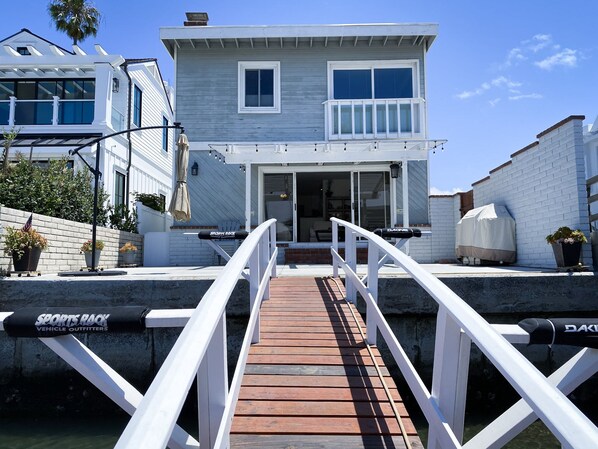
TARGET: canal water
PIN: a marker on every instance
(102, 433)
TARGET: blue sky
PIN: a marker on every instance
(498, 73)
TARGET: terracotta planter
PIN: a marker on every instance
(567, 254)
(29, 260)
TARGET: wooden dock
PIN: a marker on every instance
(311, 381)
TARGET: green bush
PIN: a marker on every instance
(122, 219)
(55, 190)
(151, 200)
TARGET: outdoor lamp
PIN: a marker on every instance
(115, 84)
(194, 169)
(394, 170)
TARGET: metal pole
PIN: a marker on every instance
(97, 175)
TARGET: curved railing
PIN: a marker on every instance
(200, 352)
(457, 326)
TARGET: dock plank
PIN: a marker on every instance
(311, 382)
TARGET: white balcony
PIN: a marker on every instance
(55, 111)
(375, 119)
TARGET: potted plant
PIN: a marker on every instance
(25, 247)
(129, 252)
(566, 245)
(86, 249)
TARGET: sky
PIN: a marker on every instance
(498, 73)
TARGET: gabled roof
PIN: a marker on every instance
(283, 36)
(25, 30)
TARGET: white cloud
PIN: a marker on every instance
(539, 42)
(565, 58)
(435, 191)
(494, 102)
(499, 83)
(526, 97)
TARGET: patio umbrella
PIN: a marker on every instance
(179, 204)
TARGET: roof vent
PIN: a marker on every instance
(196, 19)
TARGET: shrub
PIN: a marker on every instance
(565, 234)
(127, 248)
(88, 245)
(122, 219)
(16, 240)
(151, 200)
(55, 190)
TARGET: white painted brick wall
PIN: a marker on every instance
(65, 239)
(543, 189)
(444, 215)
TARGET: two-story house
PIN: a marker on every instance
(303, 123)
(59, 99)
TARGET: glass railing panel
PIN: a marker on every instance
(4, 112)
(405, 118)
(381, 118)
(358, 118)
(393, 118)
(335, 119)
(118, 120)
(75, 112)
(346, 127)
(416, 118)
(33, 112)
(369, 119)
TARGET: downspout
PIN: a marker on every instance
(130, 152)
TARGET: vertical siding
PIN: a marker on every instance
(418, 192)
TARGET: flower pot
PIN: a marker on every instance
(29, 260)
(88, 258)
(567, 254)
(129, 257)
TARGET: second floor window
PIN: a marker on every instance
(137, 101)
(259, 86)
(165, 134)
(372, 80)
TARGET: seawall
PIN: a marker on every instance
(32, 377)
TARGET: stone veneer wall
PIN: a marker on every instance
(65, 239)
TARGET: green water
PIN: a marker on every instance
(102, 433)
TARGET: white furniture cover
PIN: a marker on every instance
(487, 233)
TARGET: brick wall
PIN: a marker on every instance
(543, 187)
(65, 239)
(444, 215)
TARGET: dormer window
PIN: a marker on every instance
(23, 51)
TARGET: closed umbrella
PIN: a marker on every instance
(179, 204)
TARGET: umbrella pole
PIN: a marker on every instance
(94, 227)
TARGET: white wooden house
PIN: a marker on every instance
(59, 99)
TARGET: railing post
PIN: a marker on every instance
(351, 260)
(450, 372)
(264, 258)
(55, 107)
(254, 284)
(11, 111)
(335, 246)
(212, 386)
(273, 247)
(371, 323)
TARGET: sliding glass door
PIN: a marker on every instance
(371, 196)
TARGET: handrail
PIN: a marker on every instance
(443, 408)
(201, 350)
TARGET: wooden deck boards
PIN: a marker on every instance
(310, 382)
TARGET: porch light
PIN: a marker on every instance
(395, 169)
(115, 84)
(194, 169)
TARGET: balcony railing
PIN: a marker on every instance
(375, 119)
(15, 112)
(118, 120)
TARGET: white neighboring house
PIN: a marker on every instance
(590, 142)
(59, 99)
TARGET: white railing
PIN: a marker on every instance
(200, 352)
(458, 325)
(117, 120)
(375, 119)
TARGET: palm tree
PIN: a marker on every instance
(77, 18)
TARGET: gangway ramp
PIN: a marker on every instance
(311, 381)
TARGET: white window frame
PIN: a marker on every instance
(253, 65)
(371, 65)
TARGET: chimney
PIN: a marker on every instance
(196, 19)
